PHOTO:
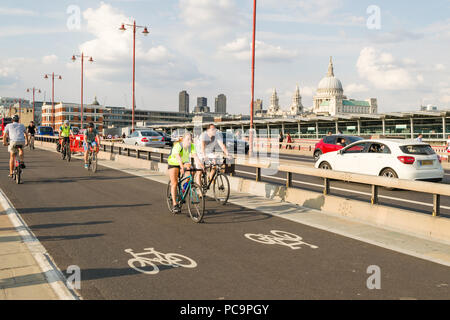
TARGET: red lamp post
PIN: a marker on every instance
(253, 80)
(82, 56)
(34, 90)
(145, 33)
(59, 77)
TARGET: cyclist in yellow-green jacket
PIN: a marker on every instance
(179, 160)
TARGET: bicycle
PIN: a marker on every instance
(174, 260)
(221, 184)
(65, 151)
(92, 160)
(17, 172)
(31, 144)
(187, 188)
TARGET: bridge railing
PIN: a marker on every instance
(437, 190)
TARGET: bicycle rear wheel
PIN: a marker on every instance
(196, 203)
(18, 175)
(221, 188)
(169, 197)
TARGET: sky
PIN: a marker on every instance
(395, 51)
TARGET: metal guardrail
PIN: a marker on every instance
(435, 189)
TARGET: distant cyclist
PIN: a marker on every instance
(65, 131)
(31, 130)
(180, 159)
(91, 139)
(16, 133)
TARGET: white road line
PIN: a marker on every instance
(348, 190)
(53, 275)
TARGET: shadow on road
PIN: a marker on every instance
(78, 208)
(71, 237)
(223, 215)
(76, 179)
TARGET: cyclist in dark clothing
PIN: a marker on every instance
(31, 130)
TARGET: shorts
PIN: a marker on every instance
(65, 139)
(15, 146)
(86, 144)
(172, 167)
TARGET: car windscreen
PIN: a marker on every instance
(149, 134)
(417, 149)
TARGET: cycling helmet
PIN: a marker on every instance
(66, 121)
(15, 118)
(91, 125)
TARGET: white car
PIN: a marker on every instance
(145, 138)
(403, 159)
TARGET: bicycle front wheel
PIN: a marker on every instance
(63, 152)
(94, 163)
(221, 188)
(68, 153)
(196, 203)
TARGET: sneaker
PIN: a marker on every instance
(176, 209)
(10, 176)
(86, 166)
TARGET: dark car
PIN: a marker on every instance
(166, 138)
(333, 143)
(234, 145)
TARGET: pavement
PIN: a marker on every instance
(89, 220)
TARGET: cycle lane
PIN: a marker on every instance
(89, 221)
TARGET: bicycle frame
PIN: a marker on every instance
(216, 173)
(188, 187)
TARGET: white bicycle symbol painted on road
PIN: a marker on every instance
(283, 238)
(174, 260)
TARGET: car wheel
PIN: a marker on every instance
(325, 166)
(389, 173)
(317, 155)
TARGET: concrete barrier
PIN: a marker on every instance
(420, 225)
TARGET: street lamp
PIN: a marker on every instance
(253, 80)
(74, 58)
(33, 89)
(145, 33)
(59, 77)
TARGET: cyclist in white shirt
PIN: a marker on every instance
(17, 134)
(209, 141)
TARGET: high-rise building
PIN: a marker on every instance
(184, 102)
(202, 105)
(221, 104)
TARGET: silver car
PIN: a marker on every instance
(145, 138)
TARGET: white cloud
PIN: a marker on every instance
(445, 95)
(112, 48)
(355, 88)
(210, 18)
(307, 91)
(323, 12)
(383, 71)
(50, 59)
(16, 12)
(439, 67)
(241, 48)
